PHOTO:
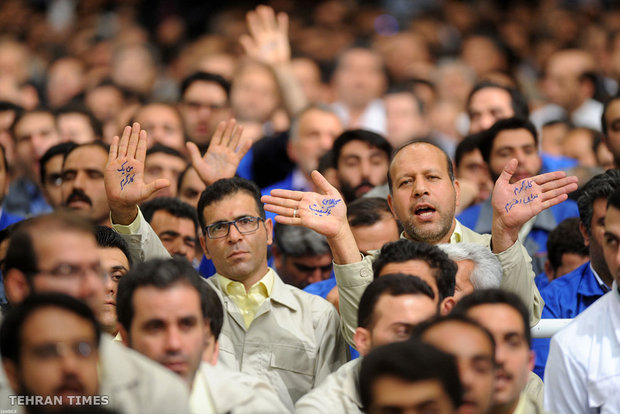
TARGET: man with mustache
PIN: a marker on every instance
(50, 349)
(361, 159)
(82, 182)
(506, 317)
(517, 138)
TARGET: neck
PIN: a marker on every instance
(506, 408)
(445, 238)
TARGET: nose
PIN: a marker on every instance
(234, 235)
(420, 187)
(79, 180)
(315, 276)
(173, 339)
(204, 112)
(327, 141)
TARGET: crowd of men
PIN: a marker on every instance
(227, 209)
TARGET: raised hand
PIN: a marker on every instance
(124, 175)
(226, 149)
(268, 41)
(515, 204)
(325, 213)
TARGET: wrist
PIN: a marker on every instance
(124, 215)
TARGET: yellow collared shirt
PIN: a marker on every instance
(248, 302)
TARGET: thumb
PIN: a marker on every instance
(509, 170)
(156, 185)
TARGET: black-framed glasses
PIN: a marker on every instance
(244, 225)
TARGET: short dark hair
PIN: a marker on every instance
(172, 205)
(73, 108)
(12, 326)
(606, 106)
(614, 200)
(429, 324)
(394, 284)
(224, 188)
(366, 211)
(449, 164)
(404, 250)
(205, 77)
(108, 238)
(565, 238)
(163, 274)
(599, 186)
(518, 101)
(469, 144)
(297, 241)
(496, 297)
(371, 138)
(59, 149)
(488, 137)
(164, 149)
(21, 255)
(409, 361)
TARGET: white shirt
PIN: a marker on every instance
(583, 369)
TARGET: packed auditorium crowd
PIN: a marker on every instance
(331, 206)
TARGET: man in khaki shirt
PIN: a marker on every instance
(271, 330)
(423, 196)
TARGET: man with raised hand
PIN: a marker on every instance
(423, 196)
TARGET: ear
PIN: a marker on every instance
(362, 339)
(16, 286)
(390, 201)
(290, 151)
(269, 227)
(457, 190)
(216, 353)
(584, 233)
(124, 335)
(10, 369)
(532, 361)
(203, 244)
(446, 305)
(549, 271)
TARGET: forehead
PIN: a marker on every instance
(166, 303)
(163, 220)
(231, 206)
(316, 118)
(201, 90)
(157, 113)
(361, 57)
(444, 334)
(54, 164)
(90, 156)
(62, 246)
(161, 158)
(73, 117)
(53, 324)
(613, 110)
(408, 308)
(357, 147)
(35, 120)
(492, 97)
(498, 318)
(513, 138)
(612, 221)
(418, 157)
(112, 256)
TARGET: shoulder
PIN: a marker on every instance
(586, 327)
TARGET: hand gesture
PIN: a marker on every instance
(124, 172)
(515, 204)
(324, 213)
(268, 41)
(226, 149)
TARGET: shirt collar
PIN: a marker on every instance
(591, 288)
(265, 284)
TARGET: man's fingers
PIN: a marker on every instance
(234, 141)
(113, 154)
(509, 170)
(133, 140)
(141, 147)
(216, 139)
(558, 192)
(550, 176)
(554, 200)
(559, 183)
(124, 141)
(290, 194)
(279, 202)
(282, 211)
(288, 220)
(324, 185)
(156, 185)
(248, 45)
(283, 23)
(267, 17)
(228, 132)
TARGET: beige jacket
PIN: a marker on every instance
(337, 394)
(518, 277)
(132, 382)
(237, 393)
(294, 341)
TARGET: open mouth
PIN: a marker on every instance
(424, 211)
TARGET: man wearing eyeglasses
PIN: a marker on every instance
(50, 352)
(271, 330)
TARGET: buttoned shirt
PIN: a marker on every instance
(248, 302)
(583, 369)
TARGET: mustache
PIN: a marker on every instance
(70, 383)
(78, 195)
(364, 184)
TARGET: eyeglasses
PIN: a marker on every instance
(244, 225)
(196, 106)
(68, 271)
(311, 269)
(53, 351)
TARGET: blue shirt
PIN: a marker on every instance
(566, 297)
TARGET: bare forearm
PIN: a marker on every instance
(124, 215)
(292, 93)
